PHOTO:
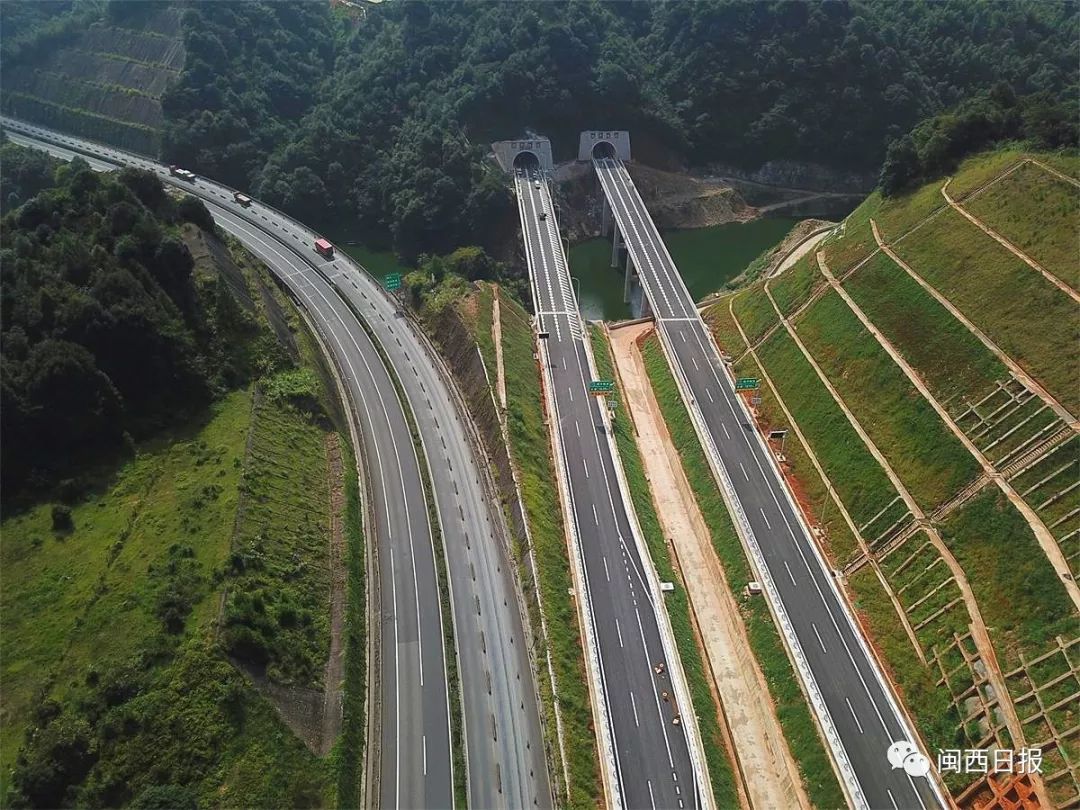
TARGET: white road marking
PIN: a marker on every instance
(790, 575)
(652, 801)
(570, 388)
(606, 574)
(585, 464)
(618, 630)
(633, 705)
(424, 741)
(595, 519)
(708, 393)
(766, 518)
(564, 364)
(891, 799)
(725, 430)
(819, 641)
(744, 475)
(694, 360)
(683, 336)
(577, 428)
(854, 716)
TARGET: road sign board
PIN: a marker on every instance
(601, 386)
(393, 281)
(747, 383)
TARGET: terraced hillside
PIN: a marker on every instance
(101, 78)
(925, 360)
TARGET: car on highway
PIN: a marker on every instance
(536, 184)
(543, 215)
(242, 199)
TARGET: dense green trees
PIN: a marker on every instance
(379, 125)
(382, 127)
(106, 331)
(936, 146)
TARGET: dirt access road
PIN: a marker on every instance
(771, 778)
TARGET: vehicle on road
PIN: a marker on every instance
(536, 184)
(324, 248)
(242, 199)
(183, 174)
(543, 215)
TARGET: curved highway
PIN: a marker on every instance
(506, 764)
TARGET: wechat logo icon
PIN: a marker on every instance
(903, 754)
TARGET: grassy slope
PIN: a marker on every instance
(1037, 212)
(949, 358)
(931, 462)
(532, 457)
(1023, 313)
(676, 602)
(791, 707)
(796, 283)
(73, 592)
(755, 312)
(183, 489)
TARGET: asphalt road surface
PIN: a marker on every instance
(504, 743)
(652, 760)
(862, 708)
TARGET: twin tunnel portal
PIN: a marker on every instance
(531, 158)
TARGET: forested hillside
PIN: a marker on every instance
(107, 333)
(398, 129)
(381, 124)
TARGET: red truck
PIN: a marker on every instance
(324, 248)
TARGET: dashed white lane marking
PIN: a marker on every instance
(728, 435)
(694, 361)
(618, 631)
(595, 519)
(577, 428)
(791, 576)
(652, 801)
(891, 799)
(854, 716)
(683, 336)
(606, 574)
(585, 464)
(633, 705)
(564, 364)
(708, 393)
(766, 518)
(424, 742)
(819, 641)
(744, 475)
(570, 388)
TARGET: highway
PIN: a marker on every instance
(650, 755)
(858, 710)
(506, 764)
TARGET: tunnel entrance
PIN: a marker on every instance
(526, 162)
(603, 149)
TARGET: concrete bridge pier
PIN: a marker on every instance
(617, 244)
(607, 221)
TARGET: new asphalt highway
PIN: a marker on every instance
(652, 762)
(858, 705)
(505, 758)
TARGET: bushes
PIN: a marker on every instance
(934, 148)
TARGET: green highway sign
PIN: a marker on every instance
(393, 281)
(601, 386)
(747, 383)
